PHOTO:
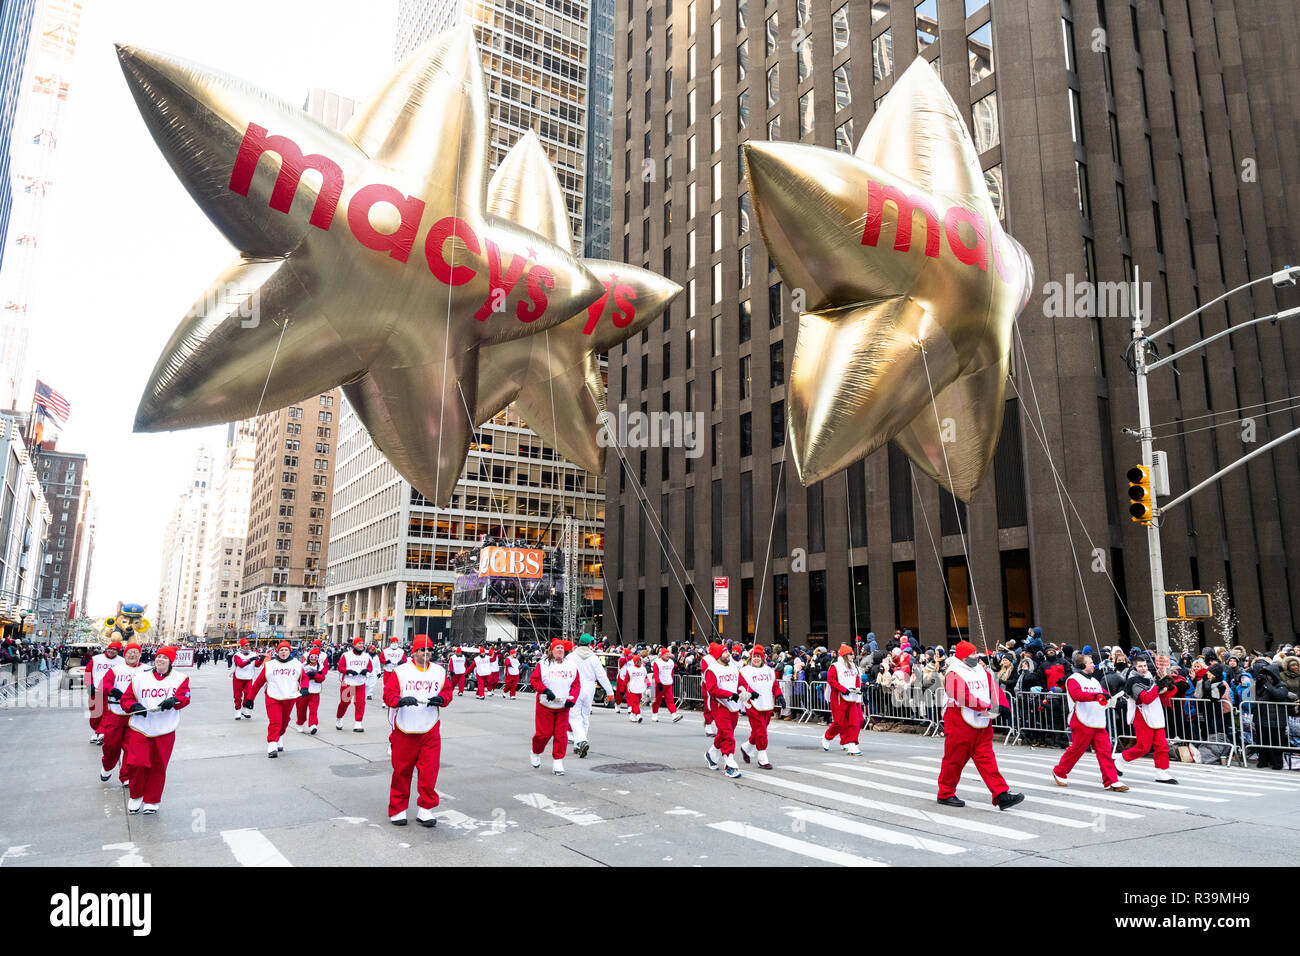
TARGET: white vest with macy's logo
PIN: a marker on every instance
(1090, 713)
(122, 674)
(151, 690)
(355, 662)
(761, 680)
(422, 685)
(283, 678)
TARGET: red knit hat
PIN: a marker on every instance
(243, 642)
(568, 647)
(963, 650)
(715, 650)
(737, 649)
(560, 644)
(129, 645)
(393, 640)
(284, 644)
(757, 651)
(421, 641)
(358, 641)
(167, 651)
(845, 650)
(663, 652)
(114, 646)
(636, 658)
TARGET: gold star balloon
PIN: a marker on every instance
(910, 286)
(554, 378)
(367, 258)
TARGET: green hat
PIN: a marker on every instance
(586, 639)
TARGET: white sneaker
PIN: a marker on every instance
(655, 718)
(826, 745)
(398, 819)
(238, 715)
(279, 745)
(1060, 781)
(151, 808)
(390, 750)
(104, 775)
(709, 730)
(134, 804)
(271, 749)
(1164, 776)
(676, 717)
(338, 724)
(301, 728)
(425, 818)
(557, 768)
(710, 759)
(357, 728)
(536, 760)
(854, 750)
(313, 729)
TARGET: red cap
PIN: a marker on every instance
(129, 645)
(845, 649)
(458, 650)
(114, 646)
(757, 651)
(421, 641)
(560, 644)
(284, 644)
(663, 652)
(568, 647)
(358, 641)
(168, 652)
(963, 650)
(715, 650)
(737, 649)
(243, 642)
(393, 640)
(636, 658)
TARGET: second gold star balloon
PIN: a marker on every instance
(911, 288)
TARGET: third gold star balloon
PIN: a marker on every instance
(366, 259)
(910, 285)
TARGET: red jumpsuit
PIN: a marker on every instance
(350, 693)
(307, 706)
(511, 686)
(723, 717)
(964, 742)
(113, 725)
(846, 715)
(278, 710)
(147, 757)
(663, 691)
(457, 677)
(415, 749)
(1082, 736)
(1147, 736)
(553, 723)
(241, 684)
(620, 686)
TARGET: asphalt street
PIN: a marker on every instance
(644, 796)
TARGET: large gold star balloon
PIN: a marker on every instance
(367, 258)
(910, 286)
(554, 378)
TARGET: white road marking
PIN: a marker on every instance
(1204, 774)
(1076, 792)
(460, 821)
(1044, 801)
(252, 848)
(539, 801)
(350, 819)
(1132, 773)
(683, 812)
(131, 855)
(783, 842)
(976, 804)
(938, 819)
(14, 852)
(870, 832)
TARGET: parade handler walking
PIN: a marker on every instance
(246, 661)
(1088, 701)
(416, 691)
(153, 699)
(968, 729)
(558, 685)
(591, 672)
(1147, 700)
(355, 666)
(845, 684)
(285, 680)
(113, 724)
(762, 681)
(662, 673)
(317, 669)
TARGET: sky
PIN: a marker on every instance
(125, 252)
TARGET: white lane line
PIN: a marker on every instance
(1133, 774)
(973, 804)
(461, 821)
(1043, 801)
(867, 831)
(783, 842)
(898, 810)
(1104, 795)
(253, 848)
(15, 852)
(539, 801)
(1233, 776)
(130, 855)
(683, 812)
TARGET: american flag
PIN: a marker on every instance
(52, 402)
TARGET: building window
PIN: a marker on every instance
(844, 137)
(882, 57)
(773, 34)
(777, 363)
(773, 85)
(806, 115)
(742, 61)
(979, 47)
(985, 125)
(993, 180)
(778, 424)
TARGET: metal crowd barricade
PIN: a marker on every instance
(1265, 726)
(1039, 715)
(688, 689)
(904, 704)
(1202, 723)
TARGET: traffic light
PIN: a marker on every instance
(345, 608)
(1139, 492)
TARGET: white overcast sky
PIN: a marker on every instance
(125, 252)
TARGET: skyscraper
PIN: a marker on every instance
(232, 486)
(600, 121)
(33, 151)
(183, 587)
(15, 34)
(1113, 136)
(391, 551)
(65, 479)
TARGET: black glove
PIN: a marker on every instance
(168, 704)
(550, 694)
(248, 705)
(114, 694)
(310, 671)
(350, 673)
(138, 708)
(303, 692)
(780, 701)
(408, 702)
(734, 697)
(436, 701)
(569, 703)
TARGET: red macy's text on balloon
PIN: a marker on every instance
(503, 276)
(906, 205)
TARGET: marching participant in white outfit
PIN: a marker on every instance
(661, 674)
(762, 682)
(638, 681)
(591, 672)
(483, 668)
(415, 692)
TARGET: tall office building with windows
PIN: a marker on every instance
(182, 592)
(1114, 137)
(391, 552)
(232, 486)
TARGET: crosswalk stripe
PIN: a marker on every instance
(131, 854)
(975, 804)
(783, 842)
(1104, 795)
(253, 848)
(911, 813)
(574, 815)
(1045, 801)
(1131, 773)
(1203, 775)
(870, 832)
